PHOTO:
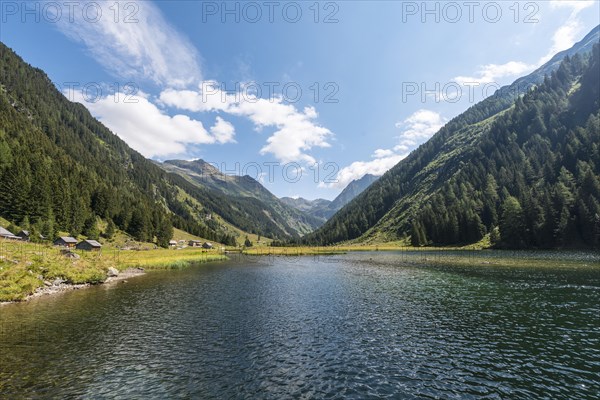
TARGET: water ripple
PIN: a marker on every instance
(362, 327)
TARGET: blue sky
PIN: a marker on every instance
(304, 96)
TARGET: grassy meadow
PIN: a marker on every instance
(24, 267)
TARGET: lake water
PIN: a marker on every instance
(363, 325)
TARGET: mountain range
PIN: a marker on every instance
(61, 170)
(290, 221)
(521, 168)
(325, 209)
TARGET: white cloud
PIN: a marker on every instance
(295, 134)
(416, 129)
(380, 153)
(149, 130)
(139, 45)
(566, 36)
(262, 178)
(223, 131)
(492, 72)
(358, 169)
(575, 5)
(208, 97)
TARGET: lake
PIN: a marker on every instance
(361, 325)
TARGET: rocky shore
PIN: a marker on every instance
(60, 286)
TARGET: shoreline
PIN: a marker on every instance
(344, 249)
(138, 263)
(59, 286)
(450, 256)
(30, 270)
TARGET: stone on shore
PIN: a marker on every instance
(112, 272)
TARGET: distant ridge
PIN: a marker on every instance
(324, 209)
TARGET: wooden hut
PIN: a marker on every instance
(89, 245)
(24, 235)
(66, 241)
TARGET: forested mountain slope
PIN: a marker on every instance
(525, 170)
(60, 166)
(62, 170)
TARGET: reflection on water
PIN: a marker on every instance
(359, 326)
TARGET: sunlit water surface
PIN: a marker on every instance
(363, 325)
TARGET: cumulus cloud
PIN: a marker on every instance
(492, 72)
(296, 131)
(295, 134)
(358, 169)
(151, 131)
(223, 131)
(381, 153)
(208, 97)
(416, 129)
(135, 43)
